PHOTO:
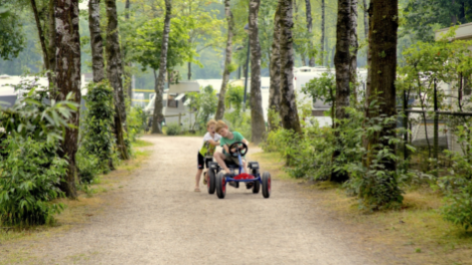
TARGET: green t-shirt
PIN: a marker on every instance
(237, 137)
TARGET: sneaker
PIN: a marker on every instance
(233, 184)
(249, 185)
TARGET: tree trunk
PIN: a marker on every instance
(309, 26)
(354, 46)
(220, 110)
(342, 63)
(342, 59)
(383, 48)
(68, 81)
(257, 115)
(114, 74)
(52, 48)
(157, 117)
(189, 71)
(96, 41)
(127, 70)
(274, 90)
(322, 30)
(288, 103)
(41, 35)
(366, 22)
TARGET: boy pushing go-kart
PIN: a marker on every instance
(227, 139)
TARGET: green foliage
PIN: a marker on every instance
(457, 185)
(322, 88)
(31, 168)
(12, 40)
(88, 166)
(205, 103)
(97, 135)
(30, 174)
(174, 129)
(136, 122)
(147, 43)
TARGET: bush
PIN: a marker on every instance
(88, 166)
(174, 129)
(28, 180)
(31, 168)
(457, 185)
(97, 136)
(136, 121)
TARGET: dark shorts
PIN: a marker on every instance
(203, 161)
(232, 159)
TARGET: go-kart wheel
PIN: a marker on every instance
(266, 183)
(211, 182)
(257, 185)
(220, 185)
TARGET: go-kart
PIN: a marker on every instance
(217, 180)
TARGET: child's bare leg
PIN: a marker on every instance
(220, 159)
(197, 178)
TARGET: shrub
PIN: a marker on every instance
(136, 122)
(88, 166)
(28, 180)
(174, 129)
(457, 185)
(97, 135)
(31, 169)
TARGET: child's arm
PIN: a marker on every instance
(245, 141)
(226, 148)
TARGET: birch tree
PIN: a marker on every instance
(257, 115)
(323, 19)
(220, 109)
(157, 117)
(342, 63)
(309, 26)
(354, 46)
(115, 74)
(288, 104)
(96, 41)
(68, 81)
(274, 68)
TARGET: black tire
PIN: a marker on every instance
(257, 185)
(266, 184)
(211, 183)
(220, 185)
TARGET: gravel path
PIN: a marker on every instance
(160, 220)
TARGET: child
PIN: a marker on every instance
(210, 141)
(227, 139)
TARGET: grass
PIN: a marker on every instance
(90, 202)
(417, 232)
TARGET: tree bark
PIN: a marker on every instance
(96, 41)
(354, 47)
(366, 22)
(342, 63)
(257, 115)
(288, 104)
(127, 72)
(159, 88)
(322, 30)
(342, 58)
(383, 48)
(189, 71)
(114, 74)
(68, 81)
(52, 48)
(274, 90)
(41, 35)
(220, 110)
(309, 26)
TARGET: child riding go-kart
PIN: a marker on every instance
(217, 180)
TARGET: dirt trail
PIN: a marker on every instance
(160, 220)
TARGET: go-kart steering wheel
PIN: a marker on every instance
(239, 147)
